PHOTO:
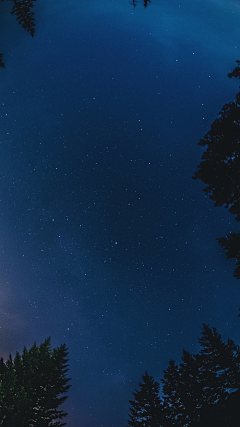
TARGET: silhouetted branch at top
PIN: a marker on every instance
(22, 10)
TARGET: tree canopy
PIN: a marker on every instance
(198, 391)
(24, 15)
(219, 169)
(32, 387)
(202, 391)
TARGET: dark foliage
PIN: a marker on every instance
(219, 169)
(146, 407)
(231, 244)
(204, 390)
(235, 72)
(32, 387)
(220, 166)
(22, 10)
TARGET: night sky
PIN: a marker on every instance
(106, 242)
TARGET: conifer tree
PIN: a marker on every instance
(172, 403)
(219, 169)
(204, 388)
(32, 387)
(219, 377)
(146, 407)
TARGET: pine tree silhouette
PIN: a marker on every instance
(32, 387)
(204, 389)
(146, 407)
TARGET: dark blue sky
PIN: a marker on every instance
(106, 242)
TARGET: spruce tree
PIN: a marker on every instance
(219, 377)
(32, 387)
(205, 387)
(146, 408)
(172, 403)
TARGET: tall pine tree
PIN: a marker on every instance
(32, 387)
(146, 408)
(205, 388)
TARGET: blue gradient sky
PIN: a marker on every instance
(106, 242)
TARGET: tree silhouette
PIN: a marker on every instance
(172, 404)
(146, 407)
(22, 10)
(31, 387)
(204, 390)
(219, 169)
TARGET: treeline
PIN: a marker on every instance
(202, 391)
(32, 387)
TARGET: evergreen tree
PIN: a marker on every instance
(203, 389)
(219, 169)
(173, 405)
(220, 377)
(146, 408)
(22, 10)
(231, 243)
(31, 387)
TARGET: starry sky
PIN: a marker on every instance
(106, 242)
